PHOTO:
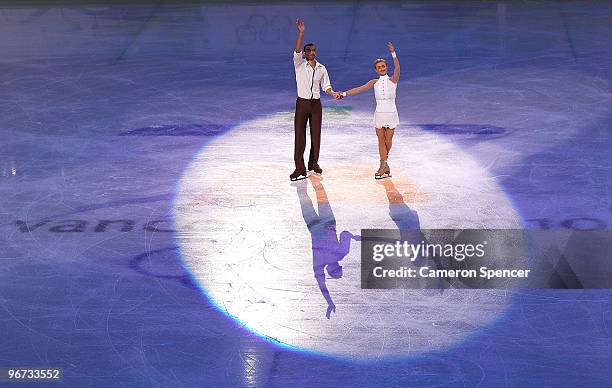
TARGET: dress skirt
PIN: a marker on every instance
(386, 119)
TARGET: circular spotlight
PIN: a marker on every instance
(245, 234)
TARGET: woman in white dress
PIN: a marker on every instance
(385, 117)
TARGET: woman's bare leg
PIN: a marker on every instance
(389, 139)
(382, 146)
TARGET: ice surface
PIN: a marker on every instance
(111, 302)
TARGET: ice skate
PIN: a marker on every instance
(297, 175)
(315, 169)
(383, 171)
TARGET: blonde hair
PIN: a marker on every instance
(379, 60)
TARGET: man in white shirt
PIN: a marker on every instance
(310, 76)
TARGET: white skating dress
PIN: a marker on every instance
(386, 112)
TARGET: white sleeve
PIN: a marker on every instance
(297, 58)
(325, 83)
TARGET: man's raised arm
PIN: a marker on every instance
(301, 28)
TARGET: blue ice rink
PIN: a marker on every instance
(112, 116)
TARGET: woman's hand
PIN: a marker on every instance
(390, 47)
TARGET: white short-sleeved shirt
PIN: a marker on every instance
(309, 81)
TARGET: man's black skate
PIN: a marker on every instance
(315, 169)
(297, 175)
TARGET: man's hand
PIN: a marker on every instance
(390, 47)
(337, 95)
(299, 23)
(331, 307)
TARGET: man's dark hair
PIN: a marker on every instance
(309, 45)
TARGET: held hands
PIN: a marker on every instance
(337, 95)
(299, 23)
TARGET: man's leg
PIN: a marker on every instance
(315, 134)
(299, 123)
